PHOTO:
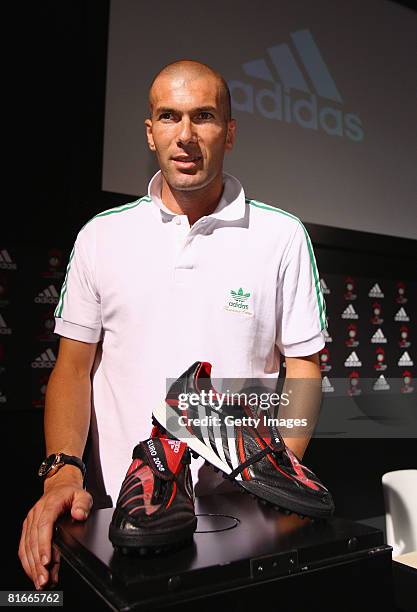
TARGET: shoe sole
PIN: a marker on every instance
(146, 543)
(164, 413)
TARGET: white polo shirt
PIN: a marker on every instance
(236, 289)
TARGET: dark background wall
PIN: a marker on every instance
(60, 76)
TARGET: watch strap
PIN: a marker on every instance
(53, 463)
(73, 460)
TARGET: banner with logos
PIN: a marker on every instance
(30, 282)
(370, 339)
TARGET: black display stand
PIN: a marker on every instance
(243, 556)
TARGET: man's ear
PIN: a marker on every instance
(149, 136)
(231, 134)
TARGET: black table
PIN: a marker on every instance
(243, 556)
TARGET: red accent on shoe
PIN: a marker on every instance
(298, 469)
(174, 490)
(134, 466)
(174, 450)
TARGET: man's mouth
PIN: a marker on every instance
(186, 161)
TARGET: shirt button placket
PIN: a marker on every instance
(183, 265)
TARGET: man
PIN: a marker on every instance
(147, 292)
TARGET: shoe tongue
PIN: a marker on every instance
(162, 455)
(174, 452)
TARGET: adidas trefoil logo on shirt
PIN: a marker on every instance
(239, 301)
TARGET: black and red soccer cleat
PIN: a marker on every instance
(254, 458)
(155, 508)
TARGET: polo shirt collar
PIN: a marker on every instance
(230, 208)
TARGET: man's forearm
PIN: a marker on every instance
(67, 413)
(303, 386)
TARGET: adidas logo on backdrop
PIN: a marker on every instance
(46, 360)
(288, 71)
(4, 329)
(6, 262)
(378, 337)
(401, 315)
(349, 313)
(405, 360)
(353, 361)
(327, 336)
(48, 296)
(381, 384)
(324, 286)
(376, 292)
(326, 385)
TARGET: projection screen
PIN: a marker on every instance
(324, 94)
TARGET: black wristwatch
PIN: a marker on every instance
(54, 463)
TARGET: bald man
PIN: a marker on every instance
(140, 304)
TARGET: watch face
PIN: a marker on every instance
(46, 465)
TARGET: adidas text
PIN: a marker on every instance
(278, 101)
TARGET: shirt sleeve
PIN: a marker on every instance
(78, 313)
(301, 309)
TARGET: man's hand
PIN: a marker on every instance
(63, 492)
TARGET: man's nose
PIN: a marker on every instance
(186, 132)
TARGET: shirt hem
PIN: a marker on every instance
(76, 332)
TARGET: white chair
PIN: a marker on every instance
(400, 497)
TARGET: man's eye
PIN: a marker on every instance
(204, 115)
(165, 116)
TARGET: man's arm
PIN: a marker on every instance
(303, 382)
(68, 400)
(67, 419)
